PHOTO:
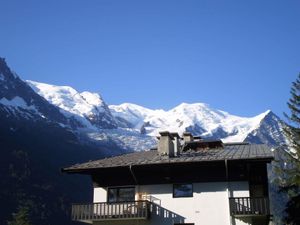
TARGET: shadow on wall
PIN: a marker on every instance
(264, 220)
(209, 187)
(160, 215)
(157, 190)
(244, 221)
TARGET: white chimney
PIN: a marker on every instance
(165, 144)
(176, 143)
(187, 137)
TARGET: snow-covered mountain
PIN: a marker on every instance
(86, 107)
(201, 119)
(126, 126)
(135, 127)
(24, 109)
(94, 122)
(197, 118)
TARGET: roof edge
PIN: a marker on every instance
(70, 170)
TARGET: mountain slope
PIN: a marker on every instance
(17, 97)
(269, 131)
(36, 140)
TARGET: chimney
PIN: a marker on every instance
(176, 143)
(165, 144)
(187, 137)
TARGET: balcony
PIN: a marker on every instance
(248, 206)
(103, 211)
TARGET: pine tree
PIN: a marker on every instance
(21, 217)
(291, 154)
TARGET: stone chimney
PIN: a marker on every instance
(165, 144)
(176, 143)
(187, 137)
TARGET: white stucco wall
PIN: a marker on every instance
(209, 204)
(100, 194)
(238, 189)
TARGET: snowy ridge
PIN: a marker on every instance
(68, 98)
(88, 108)
(199, 118)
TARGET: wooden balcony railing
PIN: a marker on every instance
(248, 206)
(110, 211)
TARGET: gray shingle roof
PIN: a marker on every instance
(228, 152)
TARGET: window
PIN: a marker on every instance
(121, 194)
(182, 190)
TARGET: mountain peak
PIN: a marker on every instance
(92, 98)
(196, 104)
(269, 111)
(264, 115)
(5, 72)
(2, 60)
(20, 99)
(88, 108)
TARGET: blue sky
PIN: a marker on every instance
(238, 56)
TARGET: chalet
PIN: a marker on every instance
(185, 180)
